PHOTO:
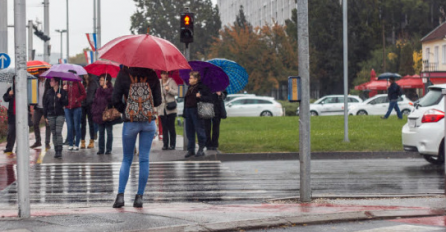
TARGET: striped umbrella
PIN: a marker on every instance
(33, 66)
(238, 77)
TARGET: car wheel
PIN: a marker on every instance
(313, 113)
(266, 114)
(362, 112)
(436, 159)
(405, 112)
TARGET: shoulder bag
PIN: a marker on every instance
(205, 110)
(110, 114)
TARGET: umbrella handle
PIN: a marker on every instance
(59, 86)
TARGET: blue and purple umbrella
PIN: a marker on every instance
(211, 75)
(238, 77)
(67, 72)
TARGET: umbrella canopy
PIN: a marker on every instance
(238, 77)
(175, 75)
(33, 66)
(144, 51)
(378, 85)
(100, 67)
(211, 75)
(68, 72)
(7, 74)
(387, 75)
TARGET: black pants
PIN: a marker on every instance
(86, 114)
(102, 129)
(38, 114)
(212, 141)
(10, 141)
(169, 133)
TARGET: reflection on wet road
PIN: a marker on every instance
(256, 181)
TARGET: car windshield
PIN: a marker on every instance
(433, 97)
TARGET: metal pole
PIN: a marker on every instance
(46, 30)
(304, 116)
(345, 30)
(444, 144)
(98, 36)
(3, 26)
(68, 36)
(185, 141)
(94, 27)
(21, 98)
(30, 40)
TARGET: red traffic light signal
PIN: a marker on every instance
(187, 27)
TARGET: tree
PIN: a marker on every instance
(163, 17)
(79, 58)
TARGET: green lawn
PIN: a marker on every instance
(281, 134)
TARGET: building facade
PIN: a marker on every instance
(434, 55)
(257, 12)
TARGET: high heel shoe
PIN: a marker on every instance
(138, 201)
(119, 202)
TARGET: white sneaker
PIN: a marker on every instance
(70, 148)
(75, 148)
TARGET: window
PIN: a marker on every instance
(436, 57)
(340, 99)
(428, 52)
(329, 100)
(444, 54)
(238, 102)
(350, 99)
(263, 102)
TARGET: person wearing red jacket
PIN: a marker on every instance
(73, 113)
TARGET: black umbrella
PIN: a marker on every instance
(387, 75)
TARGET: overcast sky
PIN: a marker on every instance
(115, 22)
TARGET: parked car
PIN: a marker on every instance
(331, 105)
(424, 130)
(231, 97)
(253, 106)
(379, 104)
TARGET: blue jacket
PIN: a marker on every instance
(394, 91)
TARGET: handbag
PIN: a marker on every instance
(171, 105)
(205, 110)
(110, 114)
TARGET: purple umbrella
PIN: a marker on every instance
(68, 72)
(211, 75)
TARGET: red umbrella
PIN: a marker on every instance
(175, 75)
(100, 67)
(144, 51)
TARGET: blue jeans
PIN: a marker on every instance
(194, 124)
(73, 117)
(130, 131)
(102, 128)
(393, 104)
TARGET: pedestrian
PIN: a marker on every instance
(9, 97)
(55, 100)
(42, 86)
(197, 92)
(73, 113)
(167, 114)
(393, 93)
(141, 90)
(90, 86)
(102, 101)
(214, 123)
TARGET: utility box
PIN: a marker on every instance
(182, 89)
(33, 91)
(294, 89)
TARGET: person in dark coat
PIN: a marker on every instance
(393, 93)
(54, 102)
(132, 129)
(214, 123)
(102, 101)
(197, 92)
(9, 97)
(90, 87)
(43, 86)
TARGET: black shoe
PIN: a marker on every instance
(189, 154)
(119, 202)
(172, 148)
(164, 148)
(36, 144)
(200, 153)
(108, 152)
(65, 143)
(47, 146)
(100, 152)
(58, 155)
(7, 150)
(138, 201)
(382, 117)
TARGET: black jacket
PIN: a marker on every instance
(10, 100)
(219, 105)
(393, 92)
(91, 92)
(54, 106)
(191, 99)
(122, 86)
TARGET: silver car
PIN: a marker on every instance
(331, 105)
(253, 106)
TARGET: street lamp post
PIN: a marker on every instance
(61, 51)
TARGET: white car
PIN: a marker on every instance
(331, 105)
(231, 97)
(424, 130)
(253, 106)
(378, 105)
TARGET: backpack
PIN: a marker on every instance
(140, 107)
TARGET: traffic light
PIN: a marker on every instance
(187, 28)
(40, 34)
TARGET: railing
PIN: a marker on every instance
(429, 67)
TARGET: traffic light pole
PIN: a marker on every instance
(30, 40)
(185, 141)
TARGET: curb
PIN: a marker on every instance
(314, 156)
(300, 220)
